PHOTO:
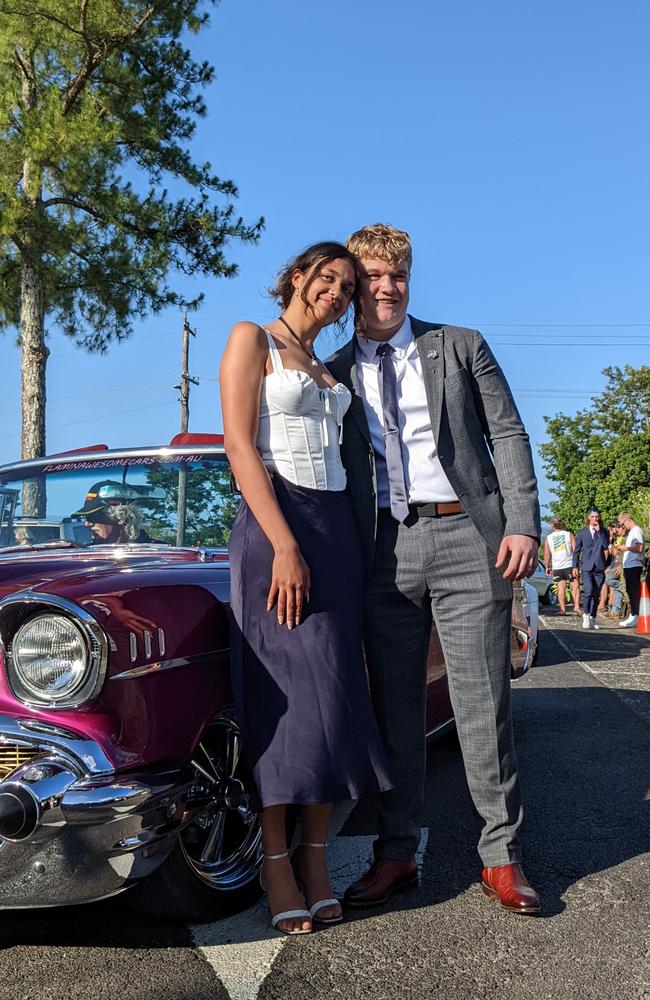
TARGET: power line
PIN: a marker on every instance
(91, 396)
(104, 416)
(565, 343)
(575, 326)
(639, 338)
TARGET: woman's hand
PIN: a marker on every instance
(290, 583)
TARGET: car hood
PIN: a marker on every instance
(42, 570)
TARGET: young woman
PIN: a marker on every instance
(298, 671)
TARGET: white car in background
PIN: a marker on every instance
(542, 584)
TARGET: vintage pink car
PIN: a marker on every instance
(120, 759)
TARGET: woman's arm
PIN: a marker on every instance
(634, 547)
(242, 371)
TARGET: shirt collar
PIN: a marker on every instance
(402, 342)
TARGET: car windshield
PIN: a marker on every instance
(139, 499)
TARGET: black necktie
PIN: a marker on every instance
(388, 391)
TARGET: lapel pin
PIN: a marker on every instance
(432, 355)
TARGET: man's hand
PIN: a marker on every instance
(520, 554)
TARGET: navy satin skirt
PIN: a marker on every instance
(309, 732)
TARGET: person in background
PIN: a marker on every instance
(558, 562)
(24, 535)
(112, 514)
(632, 551)
(441, 478)
(590, 557)
(611, 599)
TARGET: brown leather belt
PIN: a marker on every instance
(436, 509)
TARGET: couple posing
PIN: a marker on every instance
(391, 484)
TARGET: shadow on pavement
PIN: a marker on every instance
(108, 924)
(608, 642)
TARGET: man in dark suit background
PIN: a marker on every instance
(591, 557)
(441, 477)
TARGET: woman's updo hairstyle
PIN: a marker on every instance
(312, 258)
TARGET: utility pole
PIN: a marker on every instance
(186, 379)
(184, 389)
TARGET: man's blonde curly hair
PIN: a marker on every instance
(381, 241)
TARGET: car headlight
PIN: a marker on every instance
(51, 661)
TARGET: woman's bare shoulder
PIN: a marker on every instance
(247, 338)
(247, 330)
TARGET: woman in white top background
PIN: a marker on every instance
(299, 683)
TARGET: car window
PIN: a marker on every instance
(163, 499)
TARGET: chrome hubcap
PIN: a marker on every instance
(223, 845)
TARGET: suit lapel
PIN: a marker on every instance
(344, 368)
(430, 342)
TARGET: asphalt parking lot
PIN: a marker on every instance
(582, 717)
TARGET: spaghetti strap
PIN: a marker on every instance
(274, 353)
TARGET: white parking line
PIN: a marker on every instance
(243, 948)
(571, 654)
(623, 672)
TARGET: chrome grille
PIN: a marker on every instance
(12, 755)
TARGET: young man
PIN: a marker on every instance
(590, 558)
(558, 551)
(441, 475)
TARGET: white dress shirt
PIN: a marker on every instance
(423, 474)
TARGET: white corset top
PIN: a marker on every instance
(301, 426)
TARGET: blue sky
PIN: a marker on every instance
(511, 139)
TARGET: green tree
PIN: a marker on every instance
(639, 507)
(210, 505)
(602, 454)
(98, 99)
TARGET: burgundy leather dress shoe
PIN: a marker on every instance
(382, 880)
(508, 884)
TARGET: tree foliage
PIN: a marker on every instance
(100, 199)
(602, 454)
(210, 509)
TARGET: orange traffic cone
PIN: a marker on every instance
(643, 624)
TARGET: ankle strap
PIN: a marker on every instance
(274, 857)
(302, 843)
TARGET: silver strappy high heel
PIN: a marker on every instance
(320, 904)
(285, 914)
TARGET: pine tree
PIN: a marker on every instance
(98, 100)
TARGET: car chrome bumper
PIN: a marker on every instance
(72, 833)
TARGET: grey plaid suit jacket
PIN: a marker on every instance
(481, 441)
